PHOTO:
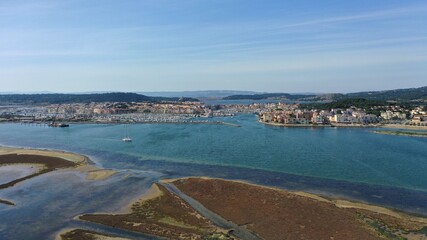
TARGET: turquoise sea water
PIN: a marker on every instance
(353, 163)
(354, 155)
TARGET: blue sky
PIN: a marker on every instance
(164, 45)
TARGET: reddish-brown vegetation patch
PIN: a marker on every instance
(277, 214)
(166, 215)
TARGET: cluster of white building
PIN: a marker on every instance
(298, 116)
(183, 111)
(389, 115)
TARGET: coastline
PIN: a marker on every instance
(233, 199)
(337, 125)
(295, 125)
(339, 202)
(371, 213)
(342, 125)
(120, 123)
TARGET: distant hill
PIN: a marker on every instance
(398, 95)
(57, 98)
(269, 96)
(370, 100)
(408, 94)
(199, 94)
(347, 103)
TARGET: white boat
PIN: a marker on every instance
(126, 138)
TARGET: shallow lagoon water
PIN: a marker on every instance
(12, 172)
(354, 155)
(351, 163)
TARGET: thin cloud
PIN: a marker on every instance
(47, 53)
(363, 16)
(15, 8)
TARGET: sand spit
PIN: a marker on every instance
(79, 162)
(30, 163)
(95, 173)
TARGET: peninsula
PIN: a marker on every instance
(205, 208)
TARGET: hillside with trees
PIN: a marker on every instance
(82, 98)
(409, 94)
(262, 96)
(398, 95)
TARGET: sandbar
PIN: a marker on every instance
(20, 164)
(81, 163)
(95, 173)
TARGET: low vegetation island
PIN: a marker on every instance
(264, 212)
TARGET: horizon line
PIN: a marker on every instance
(194, 91)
